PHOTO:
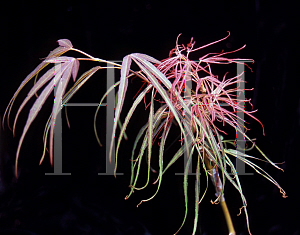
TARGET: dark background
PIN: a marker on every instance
(85, 203)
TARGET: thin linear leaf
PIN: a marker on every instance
(121, 96)
(55, 53)
(161, 153)
(150, 135)
(79, 83)
(129, 115)
(161, 90)
(157, 117)
(62, 85)
(98, 108)
(33, 113)
(185, 188)
(41, 82)
(197, 193)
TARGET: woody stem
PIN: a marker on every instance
(215, 178)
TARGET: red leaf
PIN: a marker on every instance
(75, 69)
(65, 43)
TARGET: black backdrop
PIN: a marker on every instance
(85, 203)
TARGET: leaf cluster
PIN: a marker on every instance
(187, 92)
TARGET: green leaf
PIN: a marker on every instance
(121, 96)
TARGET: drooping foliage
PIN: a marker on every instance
(189, 94)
